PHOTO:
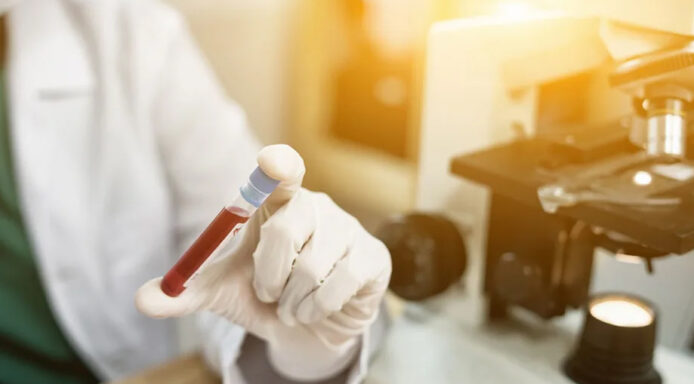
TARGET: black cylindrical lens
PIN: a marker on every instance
(616, 343)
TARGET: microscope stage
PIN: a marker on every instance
(515, 170)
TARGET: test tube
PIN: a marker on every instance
(228, 223)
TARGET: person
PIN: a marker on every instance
(117, 147)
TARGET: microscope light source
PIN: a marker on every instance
(621, 312)
(616, 344)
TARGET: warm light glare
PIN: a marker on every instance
(629, 259)
(642, 178)
(391, 91)
(514, 9)
(621, 312)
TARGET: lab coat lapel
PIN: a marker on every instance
(49, 49)
(50, 82)
(50, 85)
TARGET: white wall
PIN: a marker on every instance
(248, 44)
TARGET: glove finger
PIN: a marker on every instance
(281, 162)
(358, 281)
(313, 264)
(339, 286)
(282, 237)
(152, 302)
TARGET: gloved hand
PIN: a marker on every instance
(304, 276)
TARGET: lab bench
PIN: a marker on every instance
(189, 369)
(436, 346)
(426, 344)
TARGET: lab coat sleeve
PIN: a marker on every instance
(208, 151)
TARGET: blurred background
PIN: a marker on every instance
(339, 80)
(379, 104)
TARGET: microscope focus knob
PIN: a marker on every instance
(517, 279)
(428, 254)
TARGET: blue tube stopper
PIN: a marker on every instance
(258, 187)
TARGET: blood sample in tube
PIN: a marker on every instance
(227, 223)
(176, 280)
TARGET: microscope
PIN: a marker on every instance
(560, 141)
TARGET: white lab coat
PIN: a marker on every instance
(124, 146)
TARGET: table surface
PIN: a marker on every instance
(514, 170)
(425, 346)
(430, 346)
(190, 369)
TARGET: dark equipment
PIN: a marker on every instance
(542, 261)
(572, 187)
(607, 353)
(428, 254)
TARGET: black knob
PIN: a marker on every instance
(428, 254)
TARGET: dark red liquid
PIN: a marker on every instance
(202, 248)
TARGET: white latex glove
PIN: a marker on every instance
(304, 276)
